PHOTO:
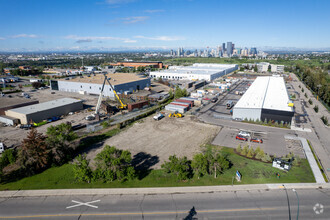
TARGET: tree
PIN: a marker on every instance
(219, 164)
(7, 157)
(37, 85)
(58, 139)
(179, 166)
(200, 165)
(33, 154)
(114, 164)
(82, 171)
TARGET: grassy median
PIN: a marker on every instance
(253, 172)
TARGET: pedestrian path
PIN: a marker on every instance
(310, 157)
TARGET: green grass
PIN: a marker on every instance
(253, 172)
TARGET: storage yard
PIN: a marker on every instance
(168, 136)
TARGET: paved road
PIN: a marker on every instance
(247, 204)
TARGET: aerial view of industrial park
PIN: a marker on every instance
(141, 109)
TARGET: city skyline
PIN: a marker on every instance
(164, 24)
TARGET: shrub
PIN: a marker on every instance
(310, 101)
(306, 95)
(245, 150)
(250, 153)
(324, 120)
(179, 166)
(302, 90)
(239, 149)
(260, 154)
(266, 158)
(316, 108)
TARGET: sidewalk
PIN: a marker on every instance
(160, 190)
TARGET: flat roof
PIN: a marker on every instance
(6, 101)
(267, 92)
(116, 78)
(45, 106)
(197, 68)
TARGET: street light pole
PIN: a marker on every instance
(298, 202)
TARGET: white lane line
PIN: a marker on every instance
(83, 203)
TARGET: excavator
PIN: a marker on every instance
(175, 115)
(96, 114)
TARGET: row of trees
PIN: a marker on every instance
(316, 79)
(210, 162)
(249, 152)
(111, 164)
(38, 152)
(114, 164)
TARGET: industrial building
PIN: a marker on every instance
(277, 68)
(7, 103)
(122, 83)
(154, 64)
(39, 112)
(267, 98)
(198, 71)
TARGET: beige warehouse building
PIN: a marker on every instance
(39, 112)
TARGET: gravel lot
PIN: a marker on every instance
(157, 140)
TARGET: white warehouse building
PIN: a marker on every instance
(198, 71)
(122, 82)
(267, 98)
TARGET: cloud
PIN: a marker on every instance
(153, 11)
(2, 38)
(80, 39)
(24, 36)
(133, 20)
(118, 2)
(41, 42)
(161, 38)
(83, 41)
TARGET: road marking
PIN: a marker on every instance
(136, 213)
(318, 208)
(83, 203)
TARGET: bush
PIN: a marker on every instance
(324, 120)
(250, 153)
(302, 90)
(245, 150)
(306, 95)
(310, 101)
(266, 158)
(316, 108)
(239, 149)
(82, 171)
(260, 154)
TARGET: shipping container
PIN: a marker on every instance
(188, 105)
(137, 105)
(176, 108)
(186, 101)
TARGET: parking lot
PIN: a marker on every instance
(274, 142)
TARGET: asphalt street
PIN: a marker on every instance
(248, 204)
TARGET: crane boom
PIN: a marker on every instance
(122, 105)
(99, 101)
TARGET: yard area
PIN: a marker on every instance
(253, 172)
(160, 139)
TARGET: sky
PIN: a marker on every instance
(102, 25)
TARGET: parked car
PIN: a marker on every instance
(158, 116)
(257, 140)
(242, 138)
(214, 100)
(244, 134)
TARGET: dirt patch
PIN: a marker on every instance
(179, 136)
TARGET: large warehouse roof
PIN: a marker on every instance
(267, 92)
(198, 68)
(45, 106)
(116, 78)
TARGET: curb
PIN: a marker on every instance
(160, 190)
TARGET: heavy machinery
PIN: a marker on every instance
(96, 114)
(175, 115)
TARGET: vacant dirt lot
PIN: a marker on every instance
(157, 140)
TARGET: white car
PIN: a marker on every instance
(244, 134)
